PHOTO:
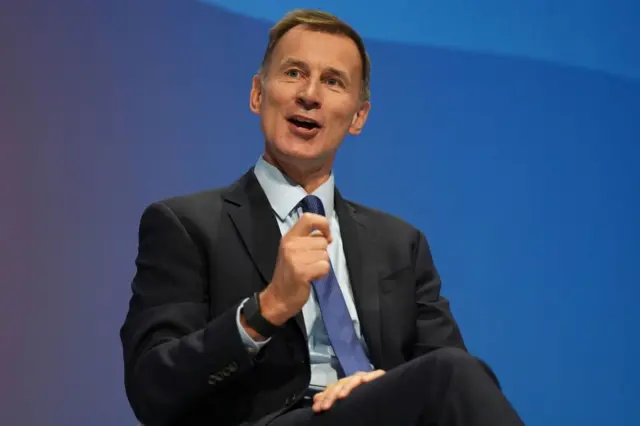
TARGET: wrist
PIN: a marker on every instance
(254, 322)
(257, 337)
(272, 309)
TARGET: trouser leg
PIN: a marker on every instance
(446, 387)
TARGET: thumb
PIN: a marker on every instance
(311, 223)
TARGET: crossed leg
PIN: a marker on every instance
(446, 387)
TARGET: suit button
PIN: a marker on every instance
(290, 400)
(214, 379)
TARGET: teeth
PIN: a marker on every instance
(304, 120)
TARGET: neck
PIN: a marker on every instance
(309, 177)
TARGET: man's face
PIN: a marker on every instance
(310, 98)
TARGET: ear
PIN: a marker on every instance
(359, 118)
(255, 98)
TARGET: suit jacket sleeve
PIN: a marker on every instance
(175, 354)
(436, 326)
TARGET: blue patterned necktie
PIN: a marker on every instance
(335, 315)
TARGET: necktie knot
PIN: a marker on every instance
(312, 204)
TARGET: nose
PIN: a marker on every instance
(308, 97)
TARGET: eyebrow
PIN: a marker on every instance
(293, 62)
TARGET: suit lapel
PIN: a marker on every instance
(251, 214)
(358, 243)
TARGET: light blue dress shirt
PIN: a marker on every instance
(284, 197)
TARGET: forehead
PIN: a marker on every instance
(318, 49)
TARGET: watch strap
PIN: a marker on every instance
(253, 317)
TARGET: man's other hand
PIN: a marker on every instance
(341, 389)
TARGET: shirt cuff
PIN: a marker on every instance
(252, 346)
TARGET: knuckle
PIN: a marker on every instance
(299, 271)
(288, 259)
(286, 244)
(294, 270)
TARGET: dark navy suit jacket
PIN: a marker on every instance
(201, 254)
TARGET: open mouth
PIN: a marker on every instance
(303, 122)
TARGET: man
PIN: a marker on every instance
(275, 300)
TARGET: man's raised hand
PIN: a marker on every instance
(302, 257)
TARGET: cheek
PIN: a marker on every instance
(277, 94)
(269, 114)
(273, 106)
(343, 109)
(342, 121)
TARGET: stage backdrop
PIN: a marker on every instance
(507, 131)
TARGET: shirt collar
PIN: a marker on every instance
(284, 194)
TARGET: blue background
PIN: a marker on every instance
(507, 131)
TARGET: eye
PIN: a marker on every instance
(334, 82)
(293, 73)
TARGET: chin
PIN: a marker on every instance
(301, 151)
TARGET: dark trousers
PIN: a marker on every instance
(446, 387)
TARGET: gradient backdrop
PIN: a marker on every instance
(507, 131)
